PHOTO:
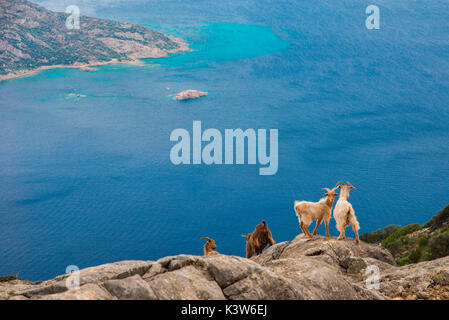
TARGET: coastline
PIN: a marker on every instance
(183, 47)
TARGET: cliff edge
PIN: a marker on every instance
(303, 268)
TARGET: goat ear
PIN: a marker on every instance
(246, 237)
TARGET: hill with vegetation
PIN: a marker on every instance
(32, 37)
(415, 243)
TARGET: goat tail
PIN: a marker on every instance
(355, 224)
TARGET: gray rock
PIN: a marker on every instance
(304, 268)
(422, 295)
(263, 285)
(132, 288)
(19, 297)
(272, 253)
(116, 270)
(155, 269)
(97, 274)
(188, 283)
(424, 280)
(227, 270)
(176, 262)
(89, 291)
(44, 288)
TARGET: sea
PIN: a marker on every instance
(85, 170)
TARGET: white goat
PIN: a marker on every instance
(344, 214)
(322, 210)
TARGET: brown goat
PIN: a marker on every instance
(209, 247)
(258, 240)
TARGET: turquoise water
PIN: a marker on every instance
(87, 179)
(221, 42)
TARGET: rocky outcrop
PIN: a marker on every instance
(424, 280)
(303, 268)
(189, 94)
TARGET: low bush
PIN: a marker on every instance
(380, 234)
(9, 278)
(439, 245)
(398, 234)
(439, 219)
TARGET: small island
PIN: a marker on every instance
(189, 94)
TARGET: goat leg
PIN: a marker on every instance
(326, 222)
(342, 235)
(305, 230)
(318, 222)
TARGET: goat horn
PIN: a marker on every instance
(349, 184)
(327, 189)
(206, 238)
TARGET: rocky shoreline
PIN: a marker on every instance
(311, 269)
(89, 66)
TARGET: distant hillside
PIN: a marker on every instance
(32, 37)
(415, 243)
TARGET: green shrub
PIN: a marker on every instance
(380, 234)
(423, 241)
(439, 245)
(415, 255)
(400, 234)
(9, 278)
(429, 247)
(396, 246)
(439, 219)
(403, 261)
(416, 249)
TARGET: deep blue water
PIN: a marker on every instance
(88, 180)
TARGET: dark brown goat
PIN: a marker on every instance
(209, 247)
(258, 240)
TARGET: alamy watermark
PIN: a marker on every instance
(372, 274)
(373, 20)
(73, 280)
(73, 20)
(212, 152)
